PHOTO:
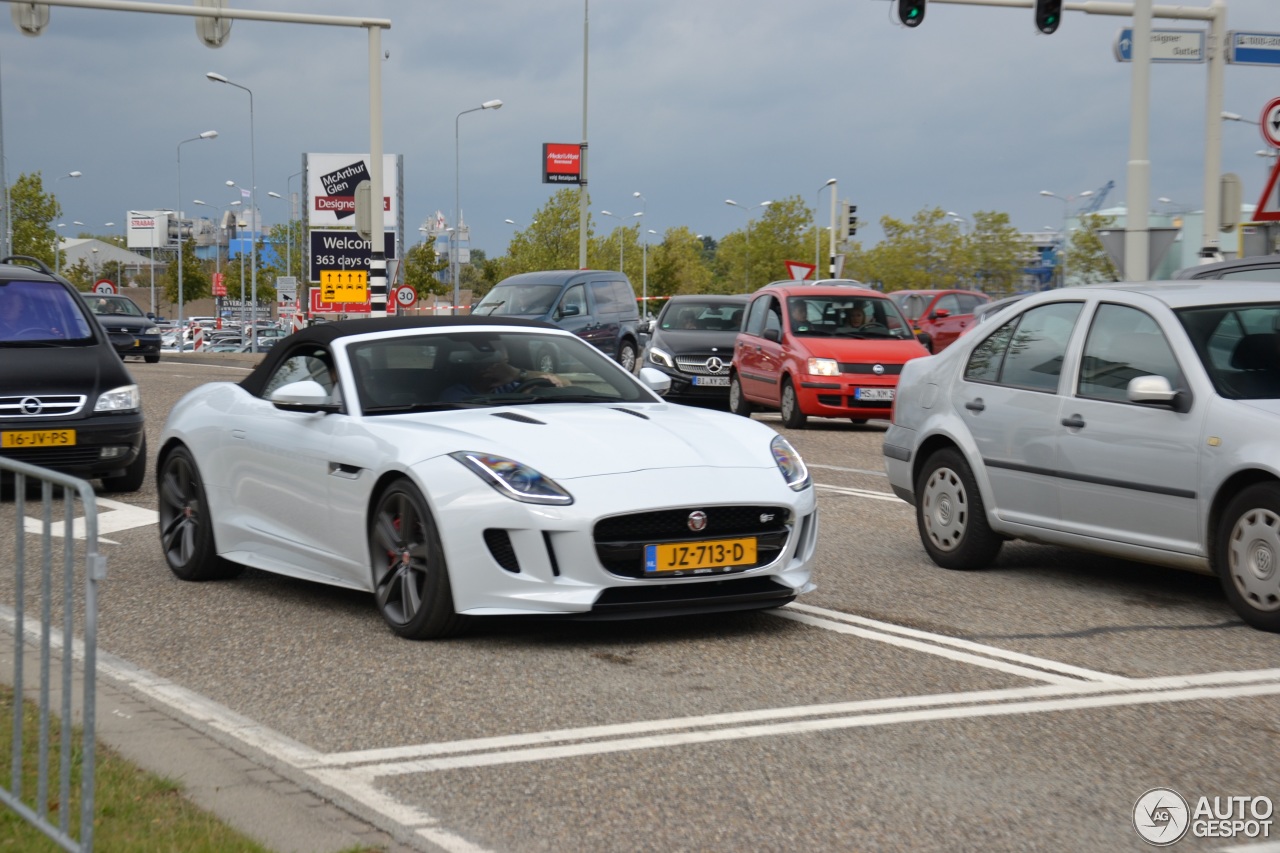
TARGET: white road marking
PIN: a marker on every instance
(879, 630)
(861, 493)
(118, 516)
(813, 465)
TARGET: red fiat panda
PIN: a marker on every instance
(830, 351)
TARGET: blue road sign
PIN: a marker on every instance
(1166, 45)
(1253, 48)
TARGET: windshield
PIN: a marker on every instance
(39, 313)
(457, 370)
(701, 316)
(520, 299)
(117, 306)
(846, 317)
(1239, 346)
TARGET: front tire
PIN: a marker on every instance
(950, 515)
(627, 355)
(151, 359)
(410, 576)
(792, 417)
(186, 527)
(1247, 555)
(738, 402)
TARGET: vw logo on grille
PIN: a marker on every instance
(714, 365)
(877, 369)
(697, 520)
(31, 406)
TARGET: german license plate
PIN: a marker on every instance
(874, 395)
(38, 438)
(699, 557)
(722, 381)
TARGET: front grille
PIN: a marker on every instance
(53, 457)
(696, 365)
(41, 405)
(869, 367)
(675, 599)
(621, 540)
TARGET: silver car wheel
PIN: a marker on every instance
(945, 509)
(1252, 555)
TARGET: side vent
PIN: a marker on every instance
(640, 415)
(504, 553)
(551, 553)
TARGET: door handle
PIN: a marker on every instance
(1074, 422)
(976, 405)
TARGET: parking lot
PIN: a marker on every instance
(900, 706)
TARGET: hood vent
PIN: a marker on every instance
(519, 418)
(640, 415)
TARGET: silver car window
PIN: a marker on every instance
(1027, 351)
(1124, 343)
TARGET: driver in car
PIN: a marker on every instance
(495, 374)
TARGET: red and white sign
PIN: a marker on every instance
(104, 285)
(406, 296)
(561, 163)
(318, 306)
(798, 270)
(1269, 124)
(1267, 210)
(219, 286)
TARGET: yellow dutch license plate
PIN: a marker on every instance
(699, 556)
(38, 438)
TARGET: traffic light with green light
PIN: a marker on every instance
(1048, 15)
(911, 12)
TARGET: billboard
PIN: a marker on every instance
(331, 188)
(561, 163)
(344, 250)
(152, 229)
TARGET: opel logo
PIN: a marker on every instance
(714, 365)
(31, 406)
(697, 520)
(877, 369)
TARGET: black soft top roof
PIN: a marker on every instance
(323, 335)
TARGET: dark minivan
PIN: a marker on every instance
(597, 305)
(67, 402)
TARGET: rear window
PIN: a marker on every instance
(33, 312)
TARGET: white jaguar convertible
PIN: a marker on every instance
(427, 461)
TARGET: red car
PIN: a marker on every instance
(939, 316)
(827, 351)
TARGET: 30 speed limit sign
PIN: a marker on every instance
(406, 296)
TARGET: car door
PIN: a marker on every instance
(605, 309)
(573, 313)
(757, 358)
(1129, 469)
(944, 328)
(1009, 400)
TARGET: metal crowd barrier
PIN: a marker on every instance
(56, 586)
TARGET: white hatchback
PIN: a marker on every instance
(1140, 421)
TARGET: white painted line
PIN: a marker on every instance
(118, 516)
(813, 465)
(944, 640)
(737, 718)
(862, 493)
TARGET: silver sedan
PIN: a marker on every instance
(1140, 421)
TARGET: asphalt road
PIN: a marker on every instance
(898, 707)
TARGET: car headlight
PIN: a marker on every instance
(514, 479)
(793, 469)
(123, 399)
(824, 367)
(661, 356)
(151, 330)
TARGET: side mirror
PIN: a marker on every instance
(772, 335)
(940, 314)
(1156, 390)
(646, 326)
(305, 394)
(655, 380)
(569, 310)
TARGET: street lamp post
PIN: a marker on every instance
(644, 283)
(208, 134)
(56, 239)
(253, 205)
(644, 275)
(619, 218)
(1062, 242)
(494, 104)
(831, 182)
(288, 241)
(747, 210)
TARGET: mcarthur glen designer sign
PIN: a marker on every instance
(331, 181)
(561, 163)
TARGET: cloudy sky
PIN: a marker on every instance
(690, 103)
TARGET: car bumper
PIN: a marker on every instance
(587, 559)
(899, 460)
(140, 345)
(104, 445)
(837, 397)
